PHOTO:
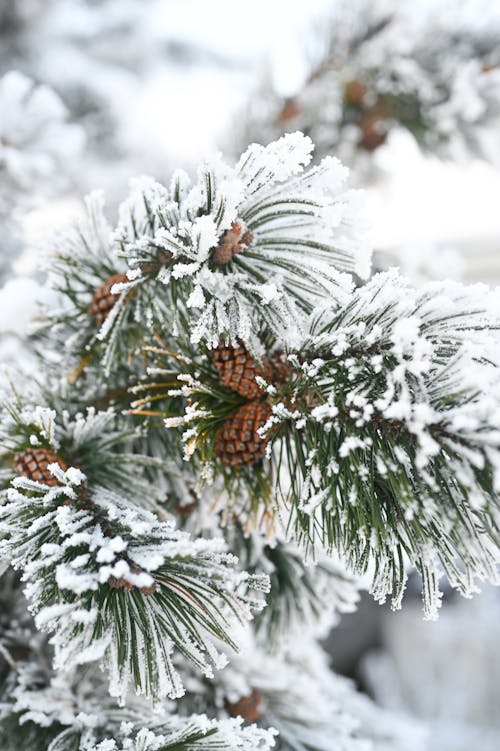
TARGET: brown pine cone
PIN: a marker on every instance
(103, 300)
(289, 110)
(34, 464)
(238, 370)
(119, 583)
(233, 241)
(249, 707)
(354, 93)
(183, 508)
(373, 131)
(237, 441)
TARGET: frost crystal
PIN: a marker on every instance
(408, 407)
(119, 580)
(77, 714)
(261, 241)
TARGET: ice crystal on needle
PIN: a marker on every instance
(78, 715)
(400, 433)
(223, 255)
(110, 582)
(256, 243)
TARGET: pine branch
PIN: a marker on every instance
(238, 249)
(114, 584)
(295, 691)
(71, 714)
(301, 595)
(84, 261)
(395, 441)
(384, 442)
(235, 244)
(101, 443)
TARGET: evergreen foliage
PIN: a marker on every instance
(142, 546)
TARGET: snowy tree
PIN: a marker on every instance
(226, 429)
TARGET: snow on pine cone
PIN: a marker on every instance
(249, 707)
(103, 300)
(374, 131)
(237, 441)
(234, 241)
(34, 464)
(121, 583)
(238, 370)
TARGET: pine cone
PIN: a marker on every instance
(119, 583)
(233, 241)
(289, 110)
(34, 464)
(103, 300)
(237, 441)
(249, 707)
(185, 507)
(238, 370)
(354, 93)
(373, 131)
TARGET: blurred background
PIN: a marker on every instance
(93, 92)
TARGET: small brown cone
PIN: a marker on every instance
(185, 509)
(103, 300)
(233, 241)
(249, 707)
(34, 464)
(354, 93)
(119, 583)
(238, 370)
(289, 110)
(373, 131)
(237, 441)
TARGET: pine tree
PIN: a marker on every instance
(225, 430)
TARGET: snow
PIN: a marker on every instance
(19, 301)
(34, 137)
(168, 113)
(149, 544)
(265, 194)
